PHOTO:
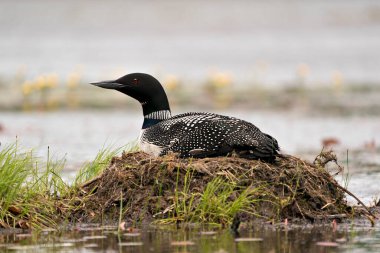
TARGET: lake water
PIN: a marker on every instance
(355, 237)
(261, 41)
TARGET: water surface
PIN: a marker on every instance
(261, 41)
(353, 237)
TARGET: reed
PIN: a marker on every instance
(29, 188)
(96, 166)
(33, 193)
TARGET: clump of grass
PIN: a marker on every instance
(14, 170)
(29, 188)
(33, 193)
(218, 204)
(96, 166)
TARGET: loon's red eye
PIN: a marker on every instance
(135, 81)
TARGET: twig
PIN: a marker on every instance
(299, 209)
(332, 216)
(357, 199)
(90, 181)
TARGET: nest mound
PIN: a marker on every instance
(147, 187)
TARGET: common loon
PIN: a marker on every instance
(193, 134)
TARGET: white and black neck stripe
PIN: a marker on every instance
(161, 115)
(155, 117)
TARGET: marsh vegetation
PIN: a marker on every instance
(137, 189)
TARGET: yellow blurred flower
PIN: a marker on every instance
(171, 82)
(303, 70)
(39, 83)
(27, 88)
(73, 80)
(45, 82)
(337, 79)
(51, 81)
(220, 79)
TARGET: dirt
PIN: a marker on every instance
(146, 187)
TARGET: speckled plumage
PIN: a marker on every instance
(190, 134)
(208, 134)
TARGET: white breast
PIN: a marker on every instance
(147, 147)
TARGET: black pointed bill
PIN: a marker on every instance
(107, 84)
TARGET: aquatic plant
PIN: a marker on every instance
(33, 193)
(136, 187)
(29, 188)
(40, 89)
(219, 203)
(302, 72)
(14, 170)
(72, 84)
(218, 88)
(96, 166)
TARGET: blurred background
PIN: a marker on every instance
(306, 72)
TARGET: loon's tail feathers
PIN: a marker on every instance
(267, 149)
(257, 154)
(274, 142)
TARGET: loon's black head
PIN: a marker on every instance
(142, 87)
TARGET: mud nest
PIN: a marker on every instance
(147, 187)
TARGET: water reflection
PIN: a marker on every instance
(351, 237)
